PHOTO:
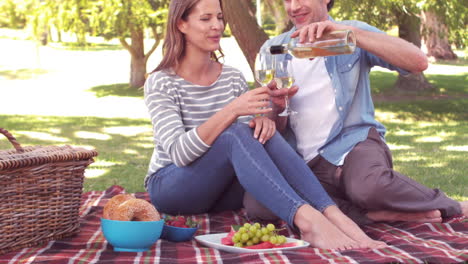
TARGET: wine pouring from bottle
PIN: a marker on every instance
(330, 44)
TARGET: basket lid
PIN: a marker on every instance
(37, 155)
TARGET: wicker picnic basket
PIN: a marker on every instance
(40, 193)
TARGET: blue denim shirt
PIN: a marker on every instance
(349, 75)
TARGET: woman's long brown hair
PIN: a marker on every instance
(174, 42)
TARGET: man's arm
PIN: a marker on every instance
(394, 50)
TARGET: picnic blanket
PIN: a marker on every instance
(408, 243)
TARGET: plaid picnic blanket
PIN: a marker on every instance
(408, 243)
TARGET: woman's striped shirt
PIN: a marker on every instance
(177, 106)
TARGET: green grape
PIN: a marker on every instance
(265, 238)
(237, 236)
(270, 227)
(251, 234)
(253, 229)
(265, 231)
(255, 240)
(273, 240)
(257, 225)
(242, 230)
(249, 243)
(281, 239)
(259, 234)
(238, 245)
(247, 225)
(235, 239)
(245, 237)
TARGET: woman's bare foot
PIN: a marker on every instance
(319, 232)
(464, 207)
(433, 216)
(351, 229)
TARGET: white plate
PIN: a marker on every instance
(214, 241)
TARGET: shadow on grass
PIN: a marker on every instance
(438, 110)
(382, 84)
(118, 89)
(22, 74)
(124, 145)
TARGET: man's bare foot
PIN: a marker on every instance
(350, 228)
(319, 232)
(433, 216)
(464, 207)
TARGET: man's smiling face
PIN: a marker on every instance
(304, 12)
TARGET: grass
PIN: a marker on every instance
(451, 85)
(428, 140)
(124, 145)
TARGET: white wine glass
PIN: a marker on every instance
(264, 68)
(284, 79)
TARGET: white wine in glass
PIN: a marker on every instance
(284, 82)
(284, 79)
(264, 68)
(264, 77)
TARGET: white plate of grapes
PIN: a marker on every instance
(251, 238)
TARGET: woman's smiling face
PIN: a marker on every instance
(204, 26)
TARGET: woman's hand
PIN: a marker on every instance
(264, 128)
(252, 102)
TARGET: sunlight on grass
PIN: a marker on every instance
(459, 197)
(437, 164)
(398, 147)
(456, 148)
(409, 157)
(42, 136)
(404, 133)
(92, 135)
(127, 131)
(94, 173)
(149, 145)
(130, 151)
(429, 139)
(104, 163)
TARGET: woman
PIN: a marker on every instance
(206, 156)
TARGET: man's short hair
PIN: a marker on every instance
(330, 4)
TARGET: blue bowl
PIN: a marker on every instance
(178, 234)
(131, 236)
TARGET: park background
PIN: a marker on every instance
(71, 73)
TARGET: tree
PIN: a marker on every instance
(444, 23)
(129, 18)
(122, 19)
(244, 27)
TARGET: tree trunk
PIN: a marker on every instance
(139, 59)
(435, 36)
(244, 27)
(409, 30)
(137, 54)
(282, 22)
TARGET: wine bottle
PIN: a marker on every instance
(330, 44)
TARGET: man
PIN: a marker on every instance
(335, 130)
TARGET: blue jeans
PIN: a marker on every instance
(272, 173)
